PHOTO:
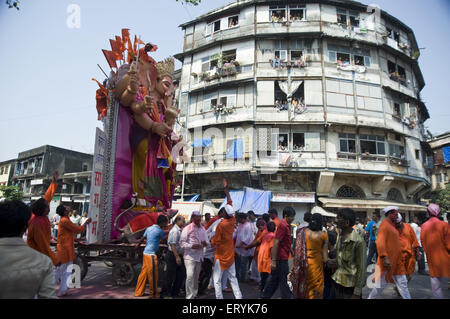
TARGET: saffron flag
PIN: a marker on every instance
(109, 55)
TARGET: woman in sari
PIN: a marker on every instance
(310, 254)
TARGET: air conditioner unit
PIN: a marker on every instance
(275, 178)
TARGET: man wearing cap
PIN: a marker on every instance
(193, 239)
(389, 262)
(435, 238)
(224, 256)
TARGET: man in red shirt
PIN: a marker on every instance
(280, 256)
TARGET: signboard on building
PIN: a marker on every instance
(96, 184)
(294, 197)
(37, 182)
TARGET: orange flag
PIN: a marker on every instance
(115, 49)
(109, 55)
(125, 35)
(121, 44)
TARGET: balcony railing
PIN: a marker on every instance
(373, 157)
(398, 161)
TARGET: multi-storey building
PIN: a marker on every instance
(6, 172)
(34, 170)
(441, 169)
(316, 101)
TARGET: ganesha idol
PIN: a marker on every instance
(144, 164)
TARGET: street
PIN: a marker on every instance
(99, 284)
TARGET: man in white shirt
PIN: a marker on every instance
(244, 237)
(175, 265)
(421, 263)
(193, 239)
(25, 273)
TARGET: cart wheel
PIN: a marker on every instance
(83, 264)
(123, 273)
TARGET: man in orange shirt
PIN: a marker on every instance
(65, 249)
(389, 264)
(224, 255)
(435, 239)
(39, 229)
(410, 248)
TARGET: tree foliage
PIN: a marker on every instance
(442, 198)
(12, 4)
(11, 192)
(194, 2)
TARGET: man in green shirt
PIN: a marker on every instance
(350, 275)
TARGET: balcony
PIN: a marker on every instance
(398, 161)
(373, 157)
(226, 73)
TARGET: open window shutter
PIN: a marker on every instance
(312, 142)
(264, 138)
(247, 146)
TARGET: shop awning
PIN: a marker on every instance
(321, 211)
(367, 204)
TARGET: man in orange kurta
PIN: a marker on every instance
(65, 249)
(389, 263)
(435, 239)
(410, 249)
(224, 255)
(39, 229)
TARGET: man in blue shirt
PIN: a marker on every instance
(371, 230)
(149, 272)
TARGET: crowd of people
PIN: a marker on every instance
(316, 259)
(29, 267)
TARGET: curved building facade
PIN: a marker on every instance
(316, 101)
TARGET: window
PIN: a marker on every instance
(296, 55)
(394, 35)
(281, 54)
(283, 142)
(298, 141)
(372, 144)
(338, 54)
(297, 13)
(347, 143)
(280, 96)
(418, 154)
(350, 192)
(361, 57)
(1, 170)
(397, 110)
(229, 56)
(233, 21)
(217, 26)
(394, 195)
(206, 64)
(445, 178)
(85, 167)
(277, 13)
(342, 18)
(396, 72)
(6, 169)
(209, 100)
(354, 19)
(347, 18)
(439, 178)
(397, 151)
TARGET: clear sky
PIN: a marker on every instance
(46, 92)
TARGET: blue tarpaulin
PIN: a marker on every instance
(236, 197)
(202, 142)
(250, 199)
(236, 149)
(446, 151)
